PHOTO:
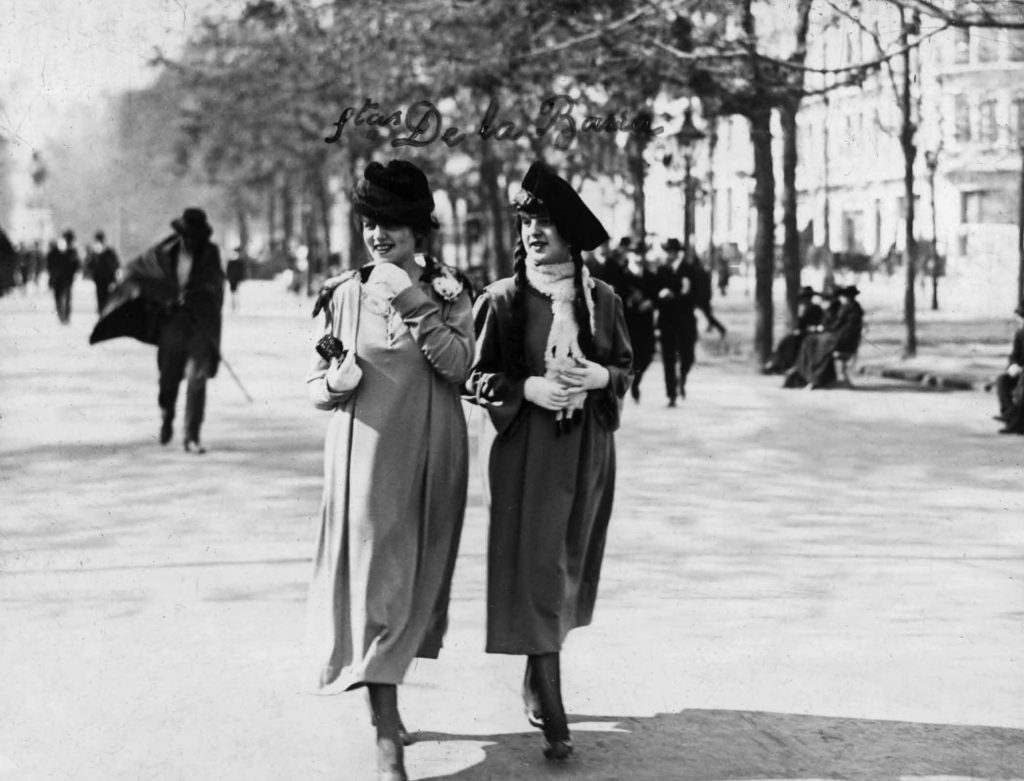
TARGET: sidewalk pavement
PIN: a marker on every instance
(796, 585)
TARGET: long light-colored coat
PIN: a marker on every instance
(395, 475)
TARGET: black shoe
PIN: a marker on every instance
(193, 446)
(634, 391)
(166, 430)
(1008, 430)
(1000, 418)
(672, 402)
(558, 750)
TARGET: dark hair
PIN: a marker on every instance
(517, 336)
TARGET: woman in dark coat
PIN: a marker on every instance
(808, 317)
(552, 364)
(814, 363)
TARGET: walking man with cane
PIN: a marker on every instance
(188, 346)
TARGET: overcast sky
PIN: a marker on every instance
(56, 52)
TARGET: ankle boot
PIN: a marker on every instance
(548, 680)
(390, 751)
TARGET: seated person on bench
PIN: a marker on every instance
(808, 317)
(1010, 384)
(815, 362)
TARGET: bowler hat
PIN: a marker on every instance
(807, 293)
(193, 223)
(544, 191)
(397, 193)
(672, 245)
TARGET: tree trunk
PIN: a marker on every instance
(490, 169)
(356, 258)
(271, 215)
(1020, 232)
(764, 241)
(287, 212)
(909, 154)
(243, 228)
(635, 166)
(791, 238)
(829, 281)
(712, 196)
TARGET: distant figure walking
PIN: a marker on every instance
(1010, 384)
(237, 271)
(102, 264)
(677, 323)
(62, 264)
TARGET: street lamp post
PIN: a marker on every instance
(931, 159)
(687, 136)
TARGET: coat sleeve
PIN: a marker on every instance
(489, 383)
(444, 333)
(316, 381)
(620, 370)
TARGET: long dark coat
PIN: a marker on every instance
(149, 294)
(551, 494)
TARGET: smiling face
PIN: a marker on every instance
(389, 243)
(544, 244)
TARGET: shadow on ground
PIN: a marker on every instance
(710, 745)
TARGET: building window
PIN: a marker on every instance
(1017, 119)
(962, 118)
(988, 45)
(962, 45)
(988, 130)
(988, 207)
(1015, 47)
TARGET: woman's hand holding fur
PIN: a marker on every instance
(344, 375)
(546, 393)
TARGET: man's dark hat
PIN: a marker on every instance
(626, 242)
(100, 236)
(1020, 308)
(849, 290)
(193, 223)
(395, 194)
(68, 235)
(807, 293)
(544, 191)
(672, 245)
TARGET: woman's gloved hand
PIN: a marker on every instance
(343, 375)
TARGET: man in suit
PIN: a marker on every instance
(188, 343)
(677, 323)
(102, 264)
(63, 263)
(1010, 384)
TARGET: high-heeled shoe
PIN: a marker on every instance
(390, 761)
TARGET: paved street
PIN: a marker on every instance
(798, 585)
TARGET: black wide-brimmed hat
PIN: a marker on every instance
(192, 222)
(807, 293)
(544, 191)
(850, 291)
(672, 245)
(395, 194)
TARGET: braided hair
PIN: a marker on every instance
(517, 336)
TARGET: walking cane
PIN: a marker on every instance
(220, 355)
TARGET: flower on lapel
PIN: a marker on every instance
(446, 284)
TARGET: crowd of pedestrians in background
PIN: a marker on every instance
(661, 299)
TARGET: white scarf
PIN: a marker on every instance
(555, 281)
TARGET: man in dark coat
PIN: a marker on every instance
(677, 322)
(62, 264)
(1010, 384)
(172, 296)
(638, 291)
(102, 264)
